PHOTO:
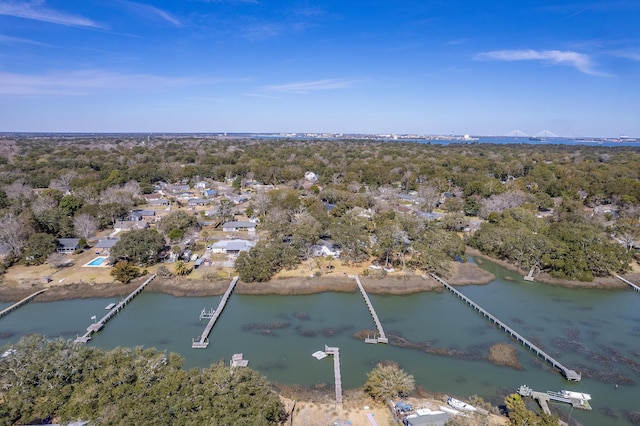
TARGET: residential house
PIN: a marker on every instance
(326, 248)
(68, 245)
(105, 244)
(239, 226)
(198, 202)
(231, 246)
(130, 225)
(137, 215)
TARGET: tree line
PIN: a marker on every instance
(60, 187)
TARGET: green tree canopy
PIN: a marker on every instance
(142, 247)
(39, 246)
(388, 381)
(59, 379)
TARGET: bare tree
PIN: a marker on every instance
(261, 203)
(132, 187)
(19, 191)
(42, 203)
(13, 233)
(113, 195)
(63, 183)
(85, 225)
(502, 202)
(429, 197)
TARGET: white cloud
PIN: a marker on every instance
(37, 12)
(18, 40)
(631, 54)
(75, 83)
(308, 86)
(578, 60)
(147, 10)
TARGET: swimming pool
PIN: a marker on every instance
(98, 261)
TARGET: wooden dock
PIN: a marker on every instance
(97, 326)
(632, 285)
(336, 370)
(382, 338)
(20, 303)
(568, 373)
(202, 341)
(543, 399)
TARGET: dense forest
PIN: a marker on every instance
(41, 379)
(571, 211)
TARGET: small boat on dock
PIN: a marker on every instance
(575, 395)
(459, 405)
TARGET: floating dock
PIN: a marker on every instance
(97, 326)
(568, 373)
(632, 285)
(336, 370)
(202, 341)
(238, 361)
(20, 303)
(382, 338)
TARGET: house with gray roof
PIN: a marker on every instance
(231, 246)
(236, 226)
(68, 245)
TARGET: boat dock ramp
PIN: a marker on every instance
(568, 373)
(97, 326)
(382, 338)
(202, 341)
(20, 303)
(632, 285)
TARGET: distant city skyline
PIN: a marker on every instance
(403, 67)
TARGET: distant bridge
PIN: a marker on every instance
(517, 133)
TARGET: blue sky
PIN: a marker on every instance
(380, 66)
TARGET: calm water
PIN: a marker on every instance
(594, 332)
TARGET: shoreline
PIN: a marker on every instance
(461, 274)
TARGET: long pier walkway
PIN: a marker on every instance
(382, 338)
(632, 285)
(568, 373)
(97, 326)
(336, 370)
(20, 303)
(202, 341)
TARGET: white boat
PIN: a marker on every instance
(575, 395)
(456, 403)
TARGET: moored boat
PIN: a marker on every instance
(575, 395)
(457, 404)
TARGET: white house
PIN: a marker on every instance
(325, 249)
(239, 226)
(231, 246)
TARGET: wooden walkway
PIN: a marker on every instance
(97, 326)
(632, 285)
(202, 341)
(568, 373)
(382, 338)
(20, 303)
(336, 370)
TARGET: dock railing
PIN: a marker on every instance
(202, 341)
(567, 372)
(97, 326)
(382, 338)
(20, 303)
